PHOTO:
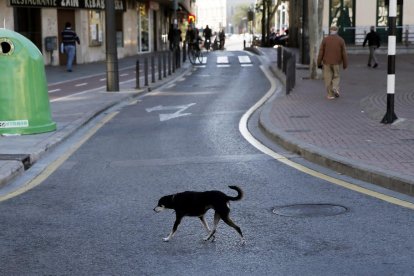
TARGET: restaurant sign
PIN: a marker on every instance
(72, 4)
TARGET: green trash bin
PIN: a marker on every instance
(24, 99)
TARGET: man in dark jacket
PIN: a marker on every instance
(69, 39)
(374, 43)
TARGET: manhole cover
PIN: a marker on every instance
(310, 210)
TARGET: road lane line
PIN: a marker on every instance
(244, 59)
(81, 84)
(54, 90)
(42, 176)
(257, 144)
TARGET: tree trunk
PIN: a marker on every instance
(263, 41)
(315, 10)
(295, 8)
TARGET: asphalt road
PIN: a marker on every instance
(94, 215)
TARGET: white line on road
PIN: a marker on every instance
(287, 161)
(223, 59)
(244, 59)
(54, 90)
(81, 84)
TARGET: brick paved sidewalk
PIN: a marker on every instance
(346, 134)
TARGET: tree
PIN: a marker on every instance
(295, 14)
(268, 10)
(315, 11)
(240, 16)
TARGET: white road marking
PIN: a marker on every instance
(81, 84)
(54, 90)
(169, 116)
(244, 59)
(222, 60)
(285, 160)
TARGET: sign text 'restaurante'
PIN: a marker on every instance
(80, 4)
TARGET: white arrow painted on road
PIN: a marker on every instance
(169, 116)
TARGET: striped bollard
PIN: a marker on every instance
(390, 116)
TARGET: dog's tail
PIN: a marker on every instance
(239, 191)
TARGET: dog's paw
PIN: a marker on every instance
(166, 239)
(212, 238)
(243, 242)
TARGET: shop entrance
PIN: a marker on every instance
(63, 17)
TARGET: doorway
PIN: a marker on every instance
(64, 15)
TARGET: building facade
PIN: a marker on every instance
(141, 25)
(354, 18)
(212, 13)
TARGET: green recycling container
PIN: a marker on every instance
(24, 99)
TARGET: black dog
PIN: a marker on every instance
(196, 204)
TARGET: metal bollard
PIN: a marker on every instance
(137, 75)
(169, 62)
(164, 63)
(159, 65)
(152, 68)
(146, 70)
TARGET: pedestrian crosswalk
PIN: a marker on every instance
(226, 61)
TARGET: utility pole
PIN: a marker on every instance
(390, 116)
(112, 74)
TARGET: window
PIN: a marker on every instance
(143, 28)
(119, 28)
(382, 19)
(95, 28)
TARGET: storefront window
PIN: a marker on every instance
(143, 28)
(95, 28)
(342, 15)
(382, 11)
(119, 27)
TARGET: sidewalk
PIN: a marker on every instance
(18, 153)
(345, 134)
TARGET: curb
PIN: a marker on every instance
(387, 179)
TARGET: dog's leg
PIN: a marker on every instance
(213, 231)
(176, 223)
(229, 222)
(204, 222)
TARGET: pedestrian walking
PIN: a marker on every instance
(332, 53)
(373, 43)
(69, 40)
